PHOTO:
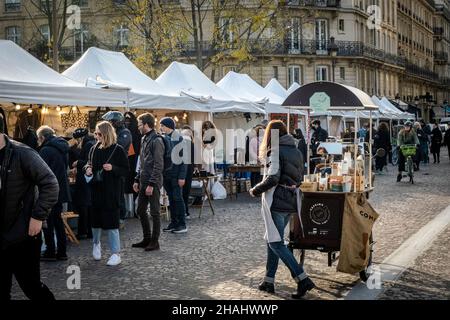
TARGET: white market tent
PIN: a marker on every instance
(275, 87)
(293, 87)
(114, 67)
(245, 88)
(25, 79)
(189, 81)
(400, 114)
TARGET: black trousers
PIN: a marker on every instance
(187, 187)
(155, 207)
(55, 225)
(84, 220)
(23, 261)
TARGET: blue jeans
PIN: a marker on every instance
(176, 203)
(278, 250)
(113, 238)
(424, 152)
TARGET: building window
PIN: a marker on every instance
(45, 32)
(81, 3)
(12, 5)
(226, 30)
(275, 72)
(13, 34)
(295, 35)
(121, 37)
(44, 7)
(294, 75)
(341, 25)
(321, 73)
(81, 38)
(342, 72)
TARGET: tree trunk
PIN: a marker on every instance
(55, 36)
(195, 34)
(200, 28)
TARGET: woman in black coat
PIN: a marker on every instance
(382, 140)
(107, 166)
(280, 186)
(82, 190)
(436, 140)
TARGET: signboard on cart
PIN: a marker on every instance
(320, 102)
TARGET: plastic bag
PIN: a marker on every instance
(218, 191)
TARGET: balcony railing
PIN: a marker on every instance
(445, 81)
(303, 47)
(12, 7)
(421, 72)
(315, 3)
(440, 56)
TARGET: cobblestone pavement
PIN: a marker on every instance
(223, 256)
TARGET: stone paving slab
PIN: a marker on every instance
(223, 256)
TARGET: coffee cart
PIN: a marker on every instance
(319, 225)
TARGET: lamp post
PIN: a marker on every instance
(416, 102)
(332, 52)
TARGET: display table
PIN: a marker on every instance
(205, 186)
(240, 169)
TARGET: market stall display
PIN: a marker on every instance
(335, 215)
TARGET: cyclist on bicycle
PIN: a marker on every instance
(406, 136)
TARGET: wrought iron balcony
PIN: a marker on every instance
(315, 3)
(441, 57)
(12, 6)
(425, 73)
(445, 81)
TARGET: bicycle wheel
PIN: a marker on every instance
(410, 169)
(395, 157)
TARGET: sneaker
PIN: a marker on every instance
(97, 251)
(267, 286)
(169, 228)
(180, 230)
(114, 260)
(144, 243)
(303, 287)
(188, 216)
(47, 256)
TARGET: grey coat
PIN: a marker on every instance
(151, 161)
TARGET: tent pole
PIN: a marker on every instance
(308, 139)
(289, 120)
(356, 145)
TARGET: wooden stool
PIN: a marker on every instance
(70, 235)
(164, 207)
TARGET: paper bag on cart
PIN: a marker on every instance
(358, 220)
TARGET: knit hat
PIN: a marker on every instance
(80, 133)
(168, 122)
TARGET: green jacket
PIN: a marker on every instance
(407, 137)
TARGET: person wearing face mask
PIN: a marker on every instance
(406, 136)
(319, 135)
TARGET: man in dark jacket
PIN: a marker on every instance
(319, 135)
(21, 172)
(55, 152)
(149, 181)
(174, 180)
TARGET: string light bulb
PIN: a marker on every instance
(58, 108)
(30, 110)
(74, 108)
(176, 119)
(18, 107)
(185, 116)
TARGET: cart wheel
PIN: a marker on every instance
(367, 272)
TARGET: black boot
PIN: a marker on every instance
(267, 286)
(153, 246)
(302, 287)
(143, 244)
(399, 177)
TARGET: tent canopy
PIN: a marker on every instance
(342, 97)
(189, 81)
(275, 87)
(98, 65)
(294, 86)
(25, 79)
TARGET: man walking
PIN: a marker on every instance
(21, 171)
(55, 152)
(149, 181)
(174, 180)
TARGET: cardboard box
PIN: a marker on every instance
(309, 186)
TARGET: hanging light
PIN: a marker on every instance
(74, 108)
(18, 107)
(30, 110)
(58, 108)
(176, 119)
(185, 116)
